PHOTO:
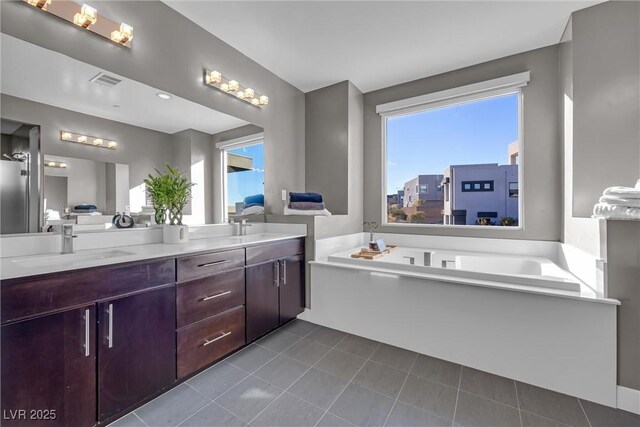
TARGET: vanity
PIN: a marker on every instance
(88, 345)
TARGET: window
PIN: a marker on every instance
(467, 141)
(477, 186)
(243, 173)
(513, 189)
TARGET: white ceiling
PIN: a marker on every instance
(37, 74)
(376, 44)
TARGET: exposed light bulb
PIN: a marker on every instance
(264, 100)
(224, 87)
(233, 85)
(249, 93)
(255, 101)
(240, 94)
(112, 144)
(82, 138)
(52, 164)
(66, 136)
(86, 17)
(40, 4)
(97, 141)
(214, 77)
(63, 165)
(123, 35)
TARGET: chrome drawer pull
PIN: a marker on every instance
(284, 272)
(207, 298)
(207, 342)
(110, 325)
(87, 332)
(276, 274)
(208, 264)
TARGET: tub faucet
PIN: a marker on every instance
(243, 227)
(445, 263)
(412, 260)
(67, 237)
(427, 259)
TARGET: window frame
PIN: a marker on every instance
(224, 146)
(447, 98)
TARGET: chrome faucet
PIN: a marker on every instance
(67, 238)
(243, 227)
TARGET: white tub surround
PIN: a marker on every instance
(40, 253)
(556, 337)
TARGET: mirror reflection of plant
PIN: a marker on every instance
(170, 192)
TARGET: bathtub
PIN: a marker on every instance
(514, 312)
(508, 269)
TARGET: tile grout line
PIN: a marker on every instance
(584, 412)
(547, 418)
(455, 408)
(400, 391)
(138, 417)
(515, 386)
(350, 380)
(296, 380)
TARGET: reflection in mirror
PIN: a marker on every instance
(78, 111)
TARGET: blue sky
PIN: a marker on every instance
(426, 143)
(247, 183)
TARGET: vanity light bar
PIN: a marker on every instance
(55, 164)
(88, 140)
(86, 17)
(232, 87)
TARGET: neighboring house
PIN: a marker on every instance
(395, 199)
(423, 194)
(480, 191)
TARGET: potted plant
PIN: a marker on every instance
(170, 193)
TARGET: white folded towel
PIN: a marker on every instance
(622, 192)
(608, 211)
(620, 201)
(253, 210)
(289, 211)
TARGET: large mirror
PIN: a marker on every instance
(78, 142)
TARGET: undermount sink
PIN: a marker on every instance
(69, 259)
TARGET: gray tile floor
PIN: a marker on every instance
(309, 375)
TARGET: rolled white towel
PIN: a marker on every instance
(622, 192)
(620, 201)
(289, 211)
(607, 211)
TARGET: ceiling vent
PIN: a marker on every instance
(105, 79)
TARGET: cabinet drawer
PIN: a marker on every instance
(271, 251)
(201, 298)
(209, 340)
(205, 265)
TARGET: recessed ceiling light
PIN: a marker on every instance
(163, 95)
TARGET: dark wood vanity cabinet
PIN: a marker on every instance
(81, 347)
(136, 347)
(49, 370)
(275, 285)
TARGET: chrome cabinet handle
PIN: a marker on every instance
(284, 271)
(208, 264)
(207, 342)
(110, 326)
(207, 298)
(276, 275)
(87, 332)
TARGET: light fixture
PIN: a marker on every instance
(55, 164)
(86, 16)
(162, 95)
(232, 87)
(123, 35)
(87, 140)
(40, 4)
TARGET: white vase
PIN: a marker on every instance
(175, 233)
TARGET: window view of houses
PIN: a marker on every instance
(455, 177)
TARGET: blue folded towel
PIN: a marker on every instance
(85, 207)
(305, 197)
(257, 199)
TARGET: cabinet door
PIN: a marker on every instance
(291, 288)
(137, 344)
(262, 299)
(49, 370)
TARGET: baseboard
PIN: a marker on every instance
(629, 399)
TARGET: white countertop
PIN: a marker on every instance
(31, 265)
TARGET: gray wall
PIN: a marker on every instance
(606, 95)
(142, 149)
(541, 146)
(327, 146)
(623, 281)
(86, 182)
(169, 53)
(55, 192)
